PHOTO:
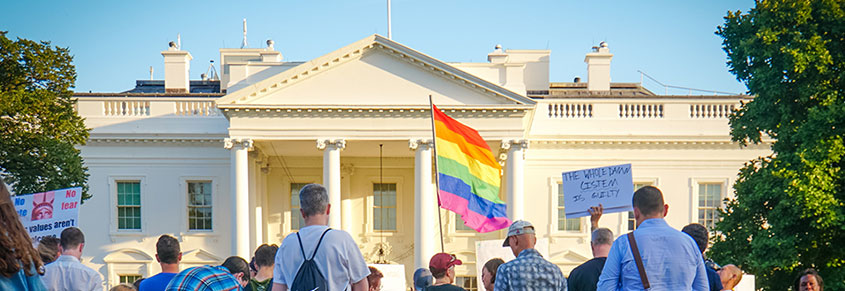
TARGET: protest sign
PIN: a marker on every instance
(611, 186)
(48, 213)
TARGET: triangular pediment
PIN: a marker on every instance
(374, 71)
(127, 255)
(200, 256)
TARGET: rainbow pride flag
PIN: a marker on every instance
(469, 175)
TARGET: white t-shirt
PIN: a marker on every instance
(338, 258)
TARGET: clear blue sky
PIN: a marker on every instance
(115, 42)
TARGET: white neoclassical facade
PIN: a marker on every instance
(218, 162)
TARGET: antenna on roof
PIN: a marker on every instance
(389, 30)
(211, 72)
(151, 73)
(178, 41)
(244, 43)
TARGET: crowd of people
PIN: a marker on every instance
(653, 257)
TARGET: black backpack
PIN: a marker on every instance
(309, 277)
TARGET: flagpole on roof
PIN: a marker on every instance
(436, 172)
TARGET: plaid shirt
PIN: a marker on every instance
(529, 271)
(202, 278)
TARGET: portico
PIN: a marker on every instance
(358, 121)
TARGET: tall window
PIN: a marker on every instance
(129, 205)
(709, 200)
(469, 283)
(199, 205)
(296, 220)
(459, 224)
(384, 206)
(632, 223)
(564, 224)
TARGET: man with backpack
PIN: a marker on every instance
(318, 258)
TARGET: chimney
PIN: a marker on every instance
(497, 56)
(177, 64)
(598, 68)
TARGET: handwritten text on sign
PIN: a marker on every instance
(611, 186)
(48, 213)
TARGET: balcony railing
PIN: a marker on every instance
(146, 107)
(691, 116)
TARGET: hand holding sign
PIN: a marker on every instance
(610, 186)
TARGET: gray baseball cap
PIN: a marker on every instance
(518, 227)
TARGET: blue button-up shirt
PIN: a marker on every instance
(671, 259)
(529, 271)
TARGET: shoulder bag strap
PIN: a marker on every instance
(638, 259)
(318, 244)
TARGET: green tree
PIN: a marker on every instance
(39, 128)
(789, 211)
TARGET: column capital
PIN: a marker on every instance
(420, 143)
(514, 143)
(338, 143)
(238, 143)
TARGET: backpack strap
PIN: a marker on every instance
(318, 244)
(638, 259)
(301, 249)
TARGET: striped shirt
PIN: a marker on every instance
(202, 278)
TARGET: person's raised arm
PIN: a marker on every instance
(611, 274)
(595, 215)
(280, 287)
(362, 285)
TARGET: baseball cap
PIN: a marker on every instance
(443, 261)
(518, 227)
(422, 278)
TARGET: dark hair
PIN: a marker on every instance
(16, 251)
(71, 237)
(167, 249)
(236, 265)
(374, 276)
(137, 283)
(265, 255)
(492, 266)
(699, 234)
(48, 249)
(649, 200)
(808, 272)
(438, 273)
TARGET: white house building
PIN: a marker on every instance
(218, 162)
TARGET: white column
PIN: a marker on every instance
(425, 204)
(240, 194)
(331, 176)
(515, 177)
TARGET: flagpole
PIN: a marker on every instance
(436, 171)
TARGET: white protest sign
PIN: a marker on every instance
(611, 186)
(490, 249)
(48, 213)
(394, 276)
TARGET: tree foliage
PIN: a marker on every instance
(789, 211)
(39, 128)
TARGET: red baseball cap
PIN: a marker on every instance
(443, 261)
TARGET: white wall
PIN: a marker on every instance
(163, 170)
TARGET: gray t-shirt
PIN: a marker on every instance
(338, 258)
